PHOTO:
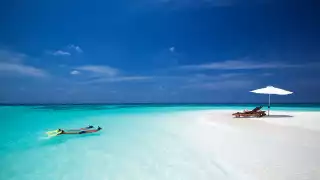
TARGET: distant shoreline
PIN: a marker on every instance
(298, 107)
(164, 104)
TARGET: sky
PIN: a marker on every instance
(158, 51)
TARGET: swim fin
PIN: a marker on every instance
(53, 133)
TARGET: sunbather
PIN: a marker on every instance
(255, 112)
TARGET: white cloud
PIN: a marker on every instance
(67, 51)
(172, 49)
(61, 53)
(105, 74)
(20, 69)
(12, 63)
(132, 78)
(99, 70)
(234, 65)
(74, 72)
(76, 48)
(119, 79)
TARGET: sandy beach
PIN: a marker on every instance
(284, 145)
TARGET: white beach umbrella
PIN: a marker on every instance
(271, 90)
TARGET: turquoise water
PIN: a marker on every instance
(137, 142)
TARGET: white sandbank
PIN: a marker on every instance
(283, 146)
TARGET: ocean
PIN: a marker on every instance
(136, 142)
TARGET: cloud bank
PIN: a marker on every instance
(14, 64)
(99, 70)
(104, 74)
(237, 65)
(20, 69)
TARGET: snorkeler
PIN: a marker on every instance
(85, 128)
(81, 131)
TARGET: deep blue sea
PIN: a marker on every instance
(130, 146)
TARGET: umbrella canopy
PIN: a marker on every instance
(271, 90)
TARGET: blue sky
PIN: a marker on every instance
(158, 51)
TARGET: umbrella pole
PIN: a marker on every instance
(269, 105)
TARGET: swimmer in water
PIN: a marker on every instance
(81, 131)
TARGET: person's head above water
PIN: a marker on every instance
(60, 131)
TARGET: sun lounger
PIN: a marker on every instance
(256, 112)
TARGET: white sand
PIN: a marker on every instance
(284, 146)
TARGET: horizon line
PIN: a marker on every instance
(160, 103)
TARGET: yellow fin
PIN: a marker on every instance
(53, 133)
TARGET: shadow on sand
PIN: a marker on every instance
(278, 116)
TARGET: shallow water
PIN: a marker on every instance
(137, 142)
